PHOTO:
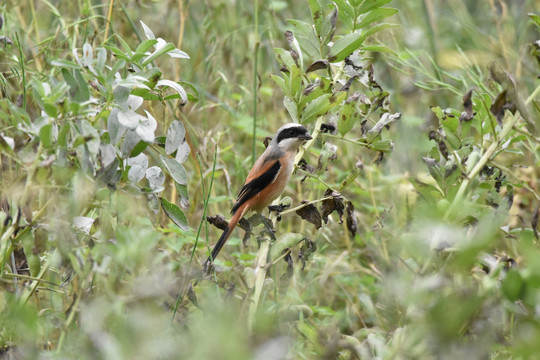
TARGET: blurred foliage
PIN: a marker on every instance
(418, 199)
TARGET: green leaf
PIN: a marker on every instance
(45, 135)
(62, 135)
(83, 94)
(146, 94)
(316, 14)
(127, 48)
(378, 48)
(321, 106)
(284, 58)
(138, 148)
(281, 83)
(174, 213)
(348, 114)
(119, 64)
(118, 53)
(427, 191)
(513, 285)
(376, 15)
(345, 8)
(535, 18)
(369, 5)
(308, 40)
(345, 46)
(65, 64)
(434, 170)
(29, 245)
(329, 26)
(375, 29)
(291, 107)
(165, 49)
(176, 170)
(312, 91)
(385, 145)
(145, 45)
(285, 241)
(50, 109)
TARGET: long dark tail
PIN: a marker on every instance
(225, 235)
(222, 239)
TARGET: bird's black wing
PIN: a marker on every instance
(256, 185)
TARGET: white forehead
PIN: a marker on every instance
(289, 125)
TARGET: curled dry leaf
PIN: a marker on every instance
(335, 203)
(349, 83)
(311, 214)
(350, 217)
(218, 221)
(308, 248)
(248, 228)
(371, 79)
(318, 65)
(306, 167)
(385, 120)
(498, 107)
(468, 114)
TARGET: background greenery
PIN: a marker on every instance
(103, 234)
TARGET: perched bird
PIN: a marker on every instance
(267, 179)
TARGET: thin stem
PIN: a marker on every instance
(109, 16)
(255, 83)
(303, 205)
(533, 96)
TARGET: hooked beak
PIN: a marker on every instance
(305, 137)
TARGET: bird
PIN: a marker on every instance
(266, 180)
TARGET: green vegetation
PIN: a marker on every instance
(412, 226)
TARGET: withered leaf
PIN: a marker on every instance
(293, 44)
(290, 37)
(306, 167)
(308, 248)
(310, 87)
(335, 203)
(349, 83)
(382, 100)
(295, 56)
(385, 120)
(318, 65)
(371, 77)
(218, 221)
(310, 213)
(245, 225)
(350, 216)
(285, 279)
(328, 153)
(468, 114)
(498, 107)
